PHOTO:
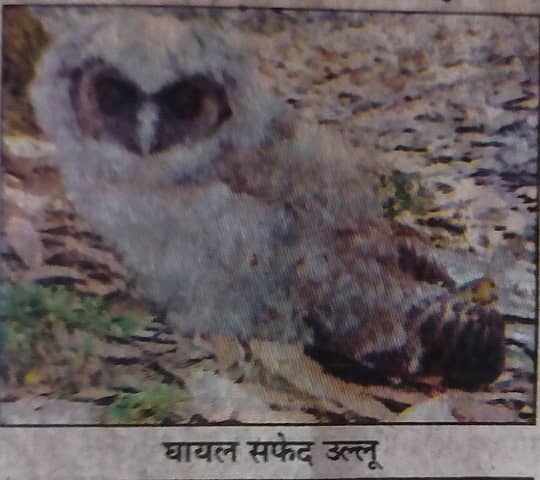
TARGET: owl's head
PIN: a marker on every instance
(128, 95)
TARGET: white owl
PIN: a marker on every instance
(234, 219)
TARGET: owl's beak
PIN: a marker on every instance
(147, 120)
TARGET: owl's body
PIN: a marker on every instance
(235, 220)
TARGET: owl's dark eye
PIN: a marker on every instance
(189, 109)
(106, 103)
(115, 95)
(182, 100)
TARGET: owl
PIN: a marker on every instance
(237, 219)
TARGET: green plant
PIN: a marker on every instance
(154, 406)
(403, 191)
(51, 325)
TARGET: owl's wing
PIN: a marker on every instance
(392, 309)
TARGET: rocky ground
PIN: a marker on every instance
(453, 107)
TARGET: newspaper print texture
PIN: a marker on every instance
(268, 216)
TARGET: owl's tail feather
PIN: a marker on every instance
(464, 343)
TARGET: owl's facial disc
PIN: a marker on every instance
(111, 107)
